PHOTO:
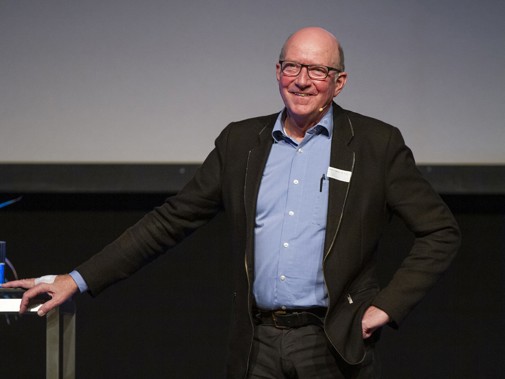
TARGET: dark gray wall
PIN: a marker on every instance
(170, 319)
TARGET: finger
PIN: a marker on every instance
(367, 332)
(22, 283)
(30, 294)
(48, 306)
(57, 298)
(364, 334)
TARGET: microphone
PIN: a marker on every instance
(322, 108)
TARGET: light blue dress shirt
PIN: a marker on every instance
(79, 280)
(291, 220)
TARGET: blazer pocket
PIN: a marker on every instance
(362, 295)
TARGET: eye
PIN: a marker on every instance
(319, 71)
(291, 66)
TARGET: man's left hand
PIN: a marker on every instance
(373, 319)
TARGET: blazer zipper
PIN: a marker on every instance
(246, 266)
(349, 298)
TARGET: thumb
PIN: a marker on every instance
(47, 307)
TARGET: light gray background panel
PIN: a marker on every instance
(156, 81)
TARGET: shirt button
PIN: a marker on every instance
(300, 150)
(291, 213)
(296, 181)
(285, 244)
(282, 277)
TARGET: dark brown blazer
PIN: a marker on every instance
(383, 181)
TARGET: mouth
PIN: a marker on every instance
(301, 94)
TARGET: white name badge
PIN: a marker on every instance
(338, 174)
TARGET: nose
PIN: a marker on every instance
(303, 79)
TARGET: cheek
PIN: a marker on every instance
(284, 82)
(327, 91)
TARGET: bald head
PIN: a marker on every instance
(316, 40)
(307, 99)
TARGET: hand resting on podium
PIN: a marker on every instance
(62, 289)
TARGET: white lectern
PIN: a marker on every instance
(60, 333)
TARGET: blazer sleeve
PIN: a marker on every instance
(162, 228)
(437, 236)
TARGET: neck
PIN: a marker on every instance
(296, 127)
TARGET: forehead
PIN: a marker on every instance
(311, 51)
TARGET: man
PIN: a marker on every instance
(307, 192)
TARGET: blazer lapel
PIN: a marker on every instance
(256, 161)
(255, 165)
(342, 158)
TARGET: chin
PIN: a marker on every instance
(303, 110)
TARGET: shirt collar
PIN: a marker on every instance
(324, 127)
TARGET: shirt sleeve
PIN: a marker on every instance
(79, 280)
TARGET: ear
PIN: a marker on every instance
(340, 83)
(278, 71)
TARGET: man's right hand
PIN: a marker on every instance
(62, 289)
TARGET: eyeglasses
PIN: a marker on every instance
(315, 72)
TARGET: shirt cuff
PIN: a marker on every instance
(79, 280)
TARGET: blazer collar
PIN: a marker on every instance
(342, 158)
